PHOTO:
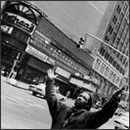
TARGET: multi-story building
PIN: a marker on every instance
(26, 30)
(111, 64)
(62, 52)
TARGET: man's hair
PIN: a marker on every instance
(90, 101)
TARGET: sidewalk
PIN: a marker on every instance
(16, 83)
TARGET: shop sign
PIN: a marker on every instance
(36, 53)
(6, 29)
(19, 21)
(41, 37)
(62, 72)
(81, 83)
(51, 61)
(76, 81)
(90, 87)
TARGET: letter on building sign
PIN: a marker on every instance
(36, 53)
(19, 21)
(62, 72)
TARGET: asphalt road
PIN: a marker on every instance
(21, 110)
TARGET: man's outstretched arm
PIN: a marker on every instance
(96, 119)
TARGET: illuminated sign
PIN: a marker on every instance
(19, 21)
(36, 53)
(62, 72)
(81, 83)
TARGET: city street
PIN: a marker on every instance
(21, 110)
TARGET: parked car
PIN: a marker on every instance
(122, 122)
(38, 89)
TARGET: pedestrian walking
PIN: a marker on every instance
(78, 116)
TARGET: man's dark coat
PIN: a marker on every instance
(64, 117)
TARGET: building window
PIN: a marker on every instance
(114, 19)
(123, 36)
(117, 42)
(120, 32)
(110, 29)
(121, 17)
(125, 7)
(121, 58)
(106, 71)
(117, 26)
(117, 67)
(110, 75)
(124, 23)
(127, 14)
(114, 37)
(98, 62)
(124, 61)
(106, 39)
(114, 63)
(118, 9)
(117, 80)
(111, 59)
(126, 64)
(114, 77)
(107, 56)
(102, 68)
(101, 50)
(127, 52)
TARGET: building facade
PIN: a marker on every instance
(26, 30)
(110, 64)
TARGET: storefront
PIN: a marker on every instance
(35, 71)
(18, 21)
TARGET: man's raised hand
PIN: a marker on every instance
(51, 74)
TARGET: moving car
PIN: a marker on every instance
(38, 89)
(122, 122)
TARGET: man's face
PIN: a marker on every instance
(82, 100)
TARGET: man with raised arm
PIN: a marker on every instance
(79, 116)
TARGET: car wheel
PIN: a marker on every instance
(116, 127)
(34, 93)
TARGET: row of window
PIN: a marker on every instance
(58, 54)
(104, 70)
(111, 60)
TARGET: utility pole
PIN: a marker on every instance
(14, 64)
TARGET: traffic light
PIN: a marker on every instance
(81, 43)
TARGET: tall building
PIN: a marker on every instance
(110, 64)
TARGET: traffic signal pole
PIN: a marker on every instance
(102, 42)
(88, 34)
